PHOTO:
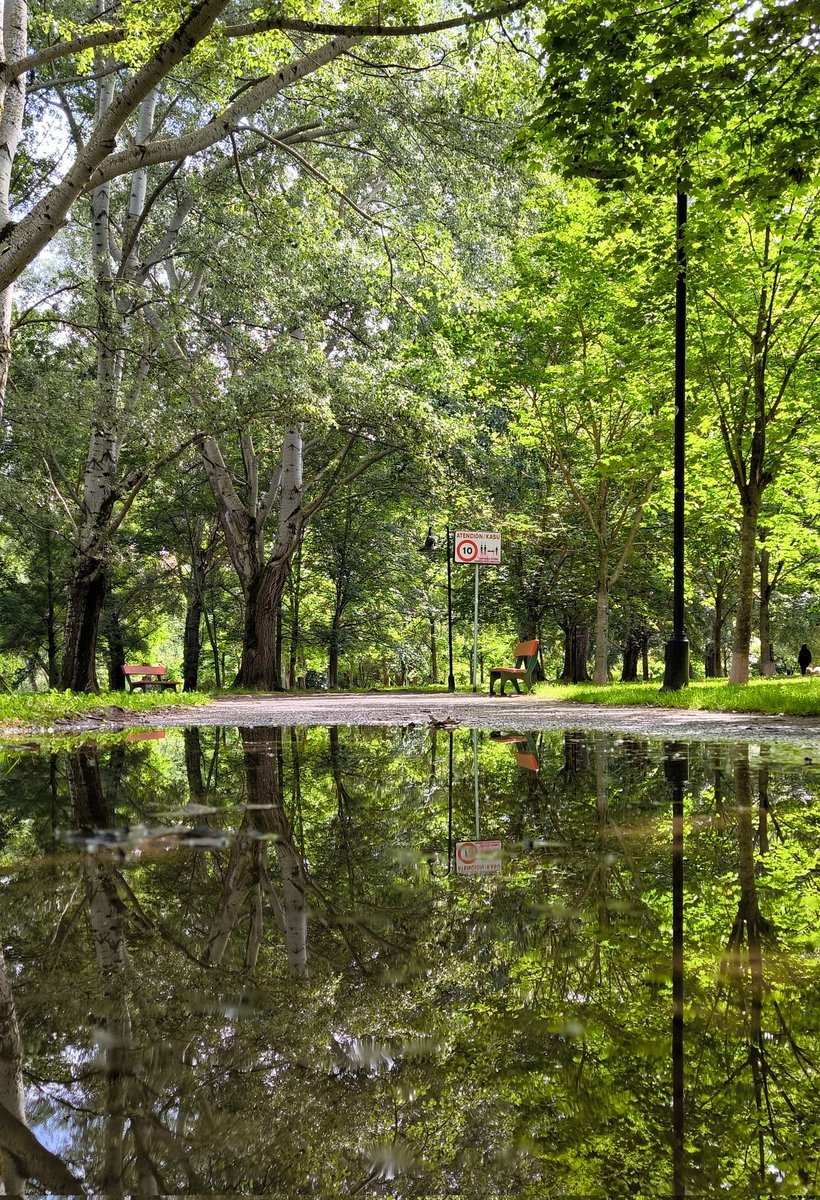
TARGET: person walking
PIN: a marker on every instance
(803, 658)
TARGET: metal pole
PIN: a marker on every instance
(451, 679)
(475, 784)
(475, 634)
(676, 667)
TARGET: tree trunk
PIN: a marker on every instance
(739, 672)
(717, 626)
(433, 651)
(576, 652)
(259, 668)
(191, 644)
(601, 668)
(280, 641)
(645, 656)
(766, 587)
(710, 667)
(85, 602)
(213, 641)
(116, 646)
(629, 673)
(566, 669)
(12, 108)
(295, 578)
(333, 653)
(51, 620)
(580, 654)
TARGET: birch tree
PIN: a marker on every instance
(135, 237)
(216, 100)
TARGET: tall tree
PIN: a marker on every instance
(758, 329)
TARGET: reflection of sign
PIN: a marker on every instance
(481, 549)
(478, 858)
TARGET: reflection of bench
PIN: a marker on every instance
(140, 678)
(524, 747)
(526, 661)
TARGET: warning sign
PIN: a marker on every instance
(478, 858)
(479, 548)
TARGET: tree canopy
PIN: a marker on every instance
(380, 276)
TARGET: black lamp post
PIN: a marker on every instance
(429, 548)
(676, 665)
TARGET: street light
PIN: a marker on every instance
(676, 664)
(429, 548)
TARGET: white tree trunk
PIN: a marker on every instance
(290, 525)
(12, 105)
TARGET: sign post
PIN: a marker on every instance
(476, 548)
(475, 634)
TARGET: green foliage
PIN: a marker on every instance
(666, 94)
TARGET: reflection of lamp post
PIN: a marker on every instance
(676, 667)
(449, 810)
(675, 769)
(429, 548)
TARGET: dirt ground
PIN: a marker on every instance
(522, 713)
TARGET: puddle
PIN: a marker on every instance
(410, 962)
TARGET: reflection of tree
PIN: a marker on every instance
(11, 1075)
(754, 1079)
(193, 763)
(247, 877)
(477, 1036)
(23, 1156)
(128, 1119)
(743, 961)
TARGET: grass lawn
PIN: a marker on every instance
(42, 708)
(796, 695)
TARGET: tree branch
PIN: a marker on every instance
(269, 24)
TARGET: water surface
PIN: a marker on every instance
(244, 962)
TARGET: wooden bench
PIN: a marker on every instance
(135, 676)
(526, 661)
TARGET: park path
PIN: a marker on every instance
(528, 713)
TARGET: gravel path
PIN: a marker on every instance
(526, 713)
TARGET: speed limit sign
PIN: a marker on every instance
(479, 548)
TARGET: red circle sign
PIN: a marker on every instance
(466, 550)
(467, 852)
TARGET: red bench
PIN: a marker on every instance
(526, 661)
(140, 678)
